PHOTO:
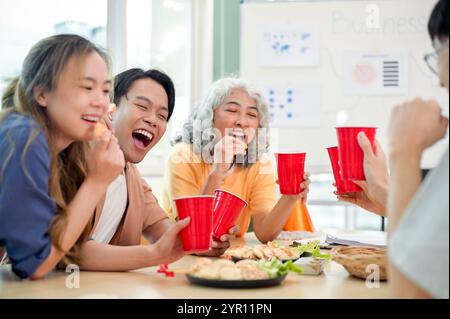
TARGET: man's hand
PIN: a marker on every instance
(363, 200)
(415, 126)
(219, 248)
(375, 188)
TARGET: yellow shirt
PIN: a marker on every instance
(186, 175)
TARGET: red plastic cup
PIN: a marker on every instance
(351, 156)
(343, 186)
(291, 172)
(227, 209)
(197, 236)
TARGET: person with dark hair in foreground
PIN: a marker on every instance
(419, 213)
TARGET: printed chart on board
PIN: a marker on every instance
(288, 45)
(293, 105)
(376, 73)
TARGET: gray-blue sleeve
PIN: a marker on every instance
(26, 208)
(420, 244)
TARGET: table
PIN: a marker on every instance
(148, 284)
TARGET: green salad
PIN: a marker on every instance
(276, 268)
(312, 248)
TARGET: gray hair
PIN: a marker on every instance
(199, 128)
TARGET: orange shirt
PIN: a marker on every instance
(186, 175)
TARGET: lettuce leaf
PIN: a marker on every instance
(311, 247)
(276, 268)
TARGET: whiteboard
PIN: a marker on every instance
(342, 27)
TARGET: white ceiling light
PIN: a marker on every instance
(341, 118)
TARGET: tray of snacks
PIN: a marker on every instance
(276, 250)
(263, 252)
(225, 273)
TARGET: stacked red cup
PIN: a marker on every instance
(197, 236)
(351, 156)
(227, 209)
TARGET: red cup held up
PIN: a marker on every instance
(291, 172)
(351, 156)
(197, 236)
(227, 209)
(343, 186)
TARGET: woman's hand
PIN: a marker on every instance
(305, 186)
(224, 153)
(305, 189)
(105, 159)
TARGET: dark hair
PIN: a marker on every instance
(125, 80)
(438, 26)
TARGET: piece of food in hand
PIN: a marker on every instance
(241, 138)
(112, 108)
(100, 128)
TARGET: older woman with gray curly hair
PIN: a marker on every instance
(224, 145)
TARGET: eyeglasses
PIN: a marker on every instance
(432, 62)
(432, 59)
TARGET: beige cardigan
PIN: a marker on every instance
(142, 210)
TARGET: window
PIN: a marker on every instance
(153, 34)
(326, 212)
(22, 24)
(158, 36)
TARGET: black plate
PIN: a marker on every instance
(216, 283)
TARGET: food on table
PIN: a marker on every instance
(231, 273)
(264, 252)
(311, 265)
(251, 270)
(242, 270)
(199, 264)
(311, 248)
